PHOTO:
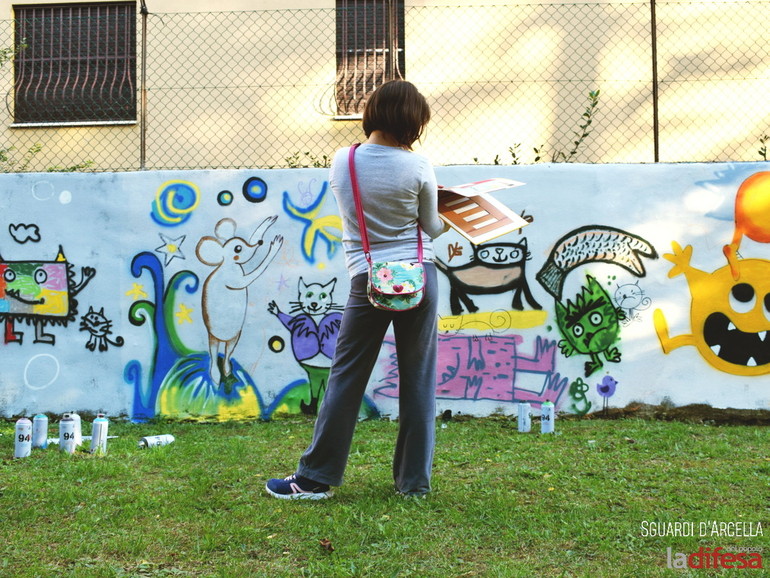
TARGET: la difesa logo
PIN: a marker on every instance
(716, 558)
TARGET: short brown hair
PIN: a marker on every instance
(398, 109)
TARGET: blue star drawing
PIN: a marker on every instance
(282, 284)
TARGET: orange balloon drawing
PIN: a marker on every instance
(752, 215)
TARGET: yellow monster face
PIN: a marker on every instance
(730, 311)
(730, 318)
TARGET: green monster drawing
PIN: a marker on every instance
(590, 325)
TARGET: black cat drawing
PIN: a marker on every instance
(494, 268)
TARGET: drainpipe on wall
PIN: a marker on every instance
(143, 113)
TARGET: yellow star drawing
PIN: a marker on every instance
(183, 315)
(136, 292)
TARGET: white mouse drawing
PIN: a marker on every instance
(225, 294)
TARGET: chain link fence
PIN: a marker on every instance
(506, 84)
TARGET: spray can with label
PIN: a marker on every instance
(67, 434)
(40, 431)
(78, 428)
(525, 417)
(99, 434)
(547, 417)
(155, 441)
(23, 436)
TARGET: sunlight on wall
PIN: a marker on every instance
(696, 122)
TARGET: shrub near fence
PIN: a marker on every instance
(256, 89)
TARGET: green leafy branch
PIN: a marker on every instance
(559, 156)
(307, 160)
(588, 118)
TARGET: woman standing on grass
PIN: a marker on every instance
(398, 191)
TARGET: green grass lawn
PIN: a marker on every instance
(583, 502)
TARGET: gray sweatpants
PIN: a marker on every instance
(360, 338)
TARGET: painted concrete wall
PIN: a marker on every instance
(115, 289)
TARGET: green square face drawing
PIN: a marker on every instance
(40, 293)
(34, 288)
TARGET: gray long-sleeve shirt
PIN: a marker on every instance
(398, 189)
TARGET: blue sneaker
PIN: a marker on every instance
(296, 487)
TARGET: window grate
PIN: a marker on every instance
(75, 63)
(370, 41)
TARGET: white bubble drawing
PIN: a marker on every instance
(39, 368)
(42, 190)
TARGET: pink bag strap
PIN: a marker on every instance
(360, 209)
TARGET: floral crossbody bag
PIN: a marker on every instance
(392, 285)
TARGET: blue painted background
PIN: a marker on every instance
(119, 289)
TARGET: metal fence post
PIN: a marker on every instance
(654, 58)
(143, 113)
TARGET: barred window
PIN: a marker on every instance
(370, 49)
(75, 63)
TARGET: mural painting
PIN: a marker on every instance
(313, 322)
(593, 244)
(631, 300)
(495, 268)
(730, 307)
(489, 364)
(99, 329)
(590, 323)
(225, 291)
(489, 368)
(590, 326)
(219, 294)
(606, 389)
(39, 293)
(578, 400)
(316, 226)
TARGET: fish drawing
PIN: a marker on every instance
(592, 244)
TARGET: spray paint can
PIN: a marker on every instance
(155, 441)
(23, 436)
(99, 434)
(40, 431)
(78, 428)
(67, 434)
(525, 417)
(547, 417)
